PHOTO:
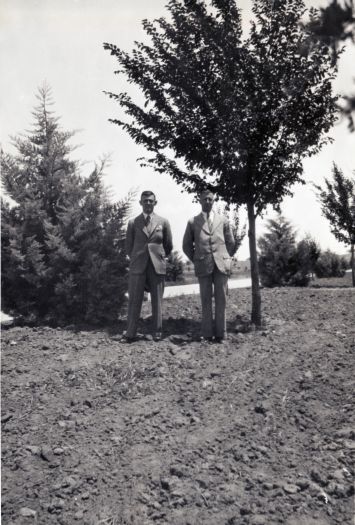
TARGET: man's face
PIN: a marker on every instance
(148, 202)
(206, 201)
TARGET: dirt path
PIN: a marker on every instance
(254, 431)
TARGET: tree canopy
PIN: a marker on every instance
(334, 24)
(241, 113)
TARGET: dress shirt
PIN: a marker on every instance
(211, 216)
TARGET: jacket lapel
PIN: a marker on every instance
(203, 223)
(216, 221)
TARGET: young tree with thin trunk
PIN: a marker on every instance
(338, 207)
(236, 115)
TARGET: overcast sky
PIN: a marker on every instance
(60, 42)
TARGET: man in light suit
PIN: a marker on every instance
(210, 244)
(148, 243)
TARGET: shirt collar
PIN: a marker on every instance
(146, 215)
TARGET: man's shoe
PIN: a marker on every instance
(128, 340)
(205, 340)
(222, 339)
(157, 336)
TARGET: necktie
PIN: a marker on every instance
(147, 223)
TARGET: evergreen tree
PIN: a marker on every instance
(338, 206)
(62, 250)
(281, 263)
(231, 114)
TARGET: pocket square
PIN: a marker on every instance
(159, 227)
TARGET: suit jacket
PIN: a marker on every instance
(206, 248)
(142, 246)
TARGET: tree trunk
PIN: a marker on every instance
(254, 269)
(353, 263)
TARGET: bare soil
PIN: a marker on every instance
(257, 430)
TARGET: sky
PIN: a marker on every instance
(61, 43)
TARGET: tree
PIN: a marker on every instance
(174, 267)
(338, 207)
(281, 261)
(234, 115)
(62, 249)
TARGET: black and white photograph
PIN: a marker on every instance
(177, 262)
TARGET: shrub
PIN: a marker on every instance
(175, 267)
(330, 264)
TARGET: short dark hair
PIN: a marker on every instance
(205, 190)
(148, 193)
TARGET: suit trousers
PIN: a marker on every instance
(136, 285)
(219, 281)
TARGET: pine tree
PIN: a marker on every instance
(281, 262)
(231, 114)
(62, 244)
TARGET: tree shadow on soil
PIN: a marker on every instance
(182, 327)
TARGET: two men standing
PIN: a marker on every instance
(208, 242)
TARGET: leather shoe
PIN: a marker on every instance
(157, 336)
(206, 340)
(128, 340)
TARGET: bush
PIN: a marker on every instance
(63, 243)
(308, 252)
(330, 264)
(175, 267)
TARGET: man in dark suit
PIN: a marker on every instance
(210, 244)
(148, 243)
